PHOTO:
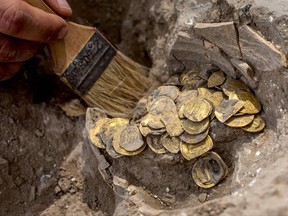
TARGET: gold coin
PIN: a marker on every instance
(182, 99)
(147, 130)
(108, 131)
(231, 85)
(154, 142)
(168, 91)
(227, 109)
(190, 152)
(131, 138)
(172, 144)
(251, 103)
(117, 144)
(152, 121)
(172, 123)
(257, 125)
(216, 99)
(162, 103)
(209, 170)
(195, 127)
(194, 139)
(94, 133)
(239, 121)
(144, 130)
(197, 110)
(216, 79)
(191, 79)
(185, 96)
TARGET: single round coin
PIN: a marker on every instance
(162, 103)
(195, 127)
(257, 125)
(216, 79)
(172, 144)
(131, 138)
(152, 121)
(239, 121)
(190, 152)
(209, 170)
(197, 110)
(154, 142)
(194, 138)
(117, 144)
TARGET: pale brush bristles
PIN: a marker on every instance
(120, 87)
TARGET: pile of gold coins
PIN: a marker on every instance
(179, 120)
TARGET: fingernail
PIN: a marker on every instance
(63, 4)
(62, 33)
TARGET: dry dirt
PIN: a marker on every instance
(47, 168)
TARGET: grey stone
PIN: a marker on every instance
(258, 52)
(247, 74)
(214, 56)
(223, 34)
(186, 53)
(123, 183)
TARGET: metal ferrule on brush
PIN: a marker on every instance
(90, 63)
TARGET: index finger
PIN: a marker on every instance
(21, 20)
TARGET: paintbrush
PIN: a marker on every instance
(93, 68)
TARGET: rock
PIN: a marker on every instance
(186, 53)
(64, 184)
(202, 197)
(246, 72)
(123, 183)
(215, 57)
(223, 34)
(73, 108)
(259, 52)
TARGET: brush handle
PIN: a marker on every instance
(64, 51)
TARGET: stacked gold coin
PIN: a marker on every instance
(177, 119)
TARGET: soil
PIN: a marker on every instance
(47, 167)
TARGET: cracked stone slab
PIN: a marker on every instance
(223, 34)
(246, 72)
(215, 57)
(259, 52)
(187, 51)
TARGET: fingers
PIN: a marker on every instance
(21, 20)
(17, 50)
(61, 7)
(9, 70)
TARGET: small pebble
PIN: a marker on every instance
(202, 197)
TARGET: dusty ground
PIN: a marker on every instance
(41, 150)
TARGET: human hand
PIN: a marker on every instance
(24, 29)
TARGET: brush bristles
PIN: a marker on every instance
(120, 87)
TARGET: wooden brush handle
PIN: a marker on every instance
(64, 51)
